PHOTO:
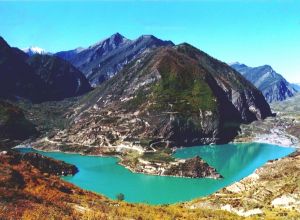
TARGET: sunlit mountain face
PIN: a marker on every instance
(273, 85)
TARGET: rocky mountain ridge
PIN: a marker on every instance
(104, 59)
(271, 84)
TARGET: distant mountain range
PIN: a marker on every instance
(296, 86)
(104, 59)
(39, 77)
(273, 86)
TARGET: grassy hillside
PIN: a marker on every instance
(183, 85)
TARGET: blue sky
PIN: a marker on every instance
(253, 32)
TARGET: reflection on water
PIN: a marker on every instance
(230, 159)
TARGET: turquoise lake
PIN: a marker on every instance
(233, 161)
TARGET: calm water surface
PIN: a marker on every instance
(233, 161)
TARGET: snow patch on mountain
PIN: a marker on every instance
(34, 50)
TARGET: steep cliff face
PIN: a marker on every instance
(171, 96)
(104, 59)
(273, 86)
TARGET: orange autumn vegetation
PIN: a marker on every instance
(27, 193)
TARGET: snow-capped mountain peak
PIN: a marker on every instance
(34, 50)
(234, 63)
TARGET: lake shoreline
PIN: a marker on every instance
(149, 171)
(120, 161)
(253, 151)
(270, 180)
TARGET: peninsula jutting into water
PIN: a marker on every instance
(141, 110)
(233, 161)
